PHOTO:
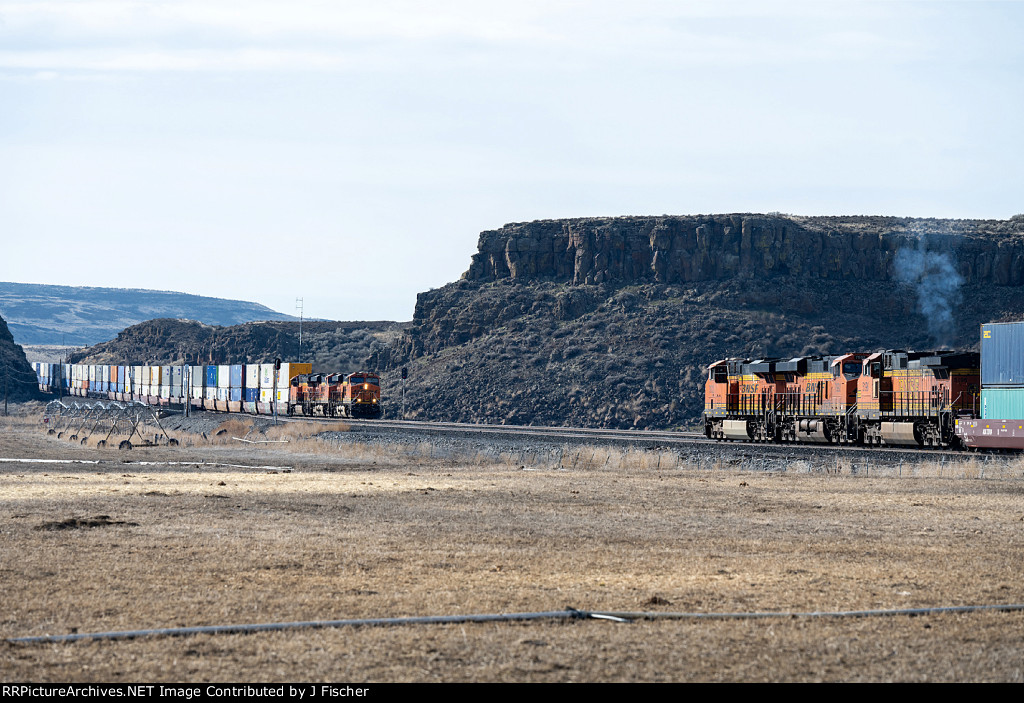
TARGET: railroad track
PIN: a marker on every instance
(647, 439)
(639, 439)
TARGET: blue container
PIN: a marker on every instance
(236, 378)
(252, 395)
(211, 376)
(1002, 354)
(236, 394)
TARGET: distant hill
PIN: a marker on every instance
(79, 316)
(331, 346)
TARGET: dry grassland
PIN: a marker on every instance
(357, 531)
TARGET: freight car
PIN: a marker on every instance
(250, 388)
(334, 395)
(1000, 425)
(892, 397)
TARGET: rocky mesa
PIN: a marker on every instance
(610, 321)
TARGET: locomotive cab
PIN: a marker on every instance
(362, 395)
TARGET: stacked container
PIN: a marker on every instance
(224, 383)
(266, 383)
(198, 382)
(1002, 371)
(210, 392)
(252, 383)
(285, 376)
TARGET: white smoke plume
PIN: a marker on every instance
(938, 288)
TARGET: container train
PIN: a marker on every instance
(892, 397)
(264, 389)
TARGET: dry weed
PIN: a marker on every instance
(406, 530)
(303, 430)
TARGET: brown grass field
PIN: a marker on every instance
(207, 534)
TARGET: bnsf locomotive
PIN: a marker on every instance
(890, 397)
(335, 395)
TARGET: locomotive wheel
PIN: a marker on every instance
(125, 444)
(172, 443)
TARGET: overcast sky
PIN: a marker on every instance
(349, 153)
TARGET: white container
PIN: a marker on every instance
(224, 376)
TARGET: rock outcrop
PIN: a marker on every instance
(688, 249)
(609, 322)
(17, 379)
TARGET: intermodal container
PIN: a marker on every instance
(252, 377)
(290, 371)
(224, 376)
(211, 377)
(1002, 354)
(237, 377)
(1002, 403)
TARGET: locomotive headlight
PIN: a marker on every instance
(366, 386)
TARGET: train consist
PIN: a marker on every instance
(891, 397)
(894, 397)
(264, 389)
(335, 395)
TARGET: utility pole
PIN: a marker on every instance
(298, 306)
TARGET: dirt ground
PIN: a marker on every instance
(215, 534)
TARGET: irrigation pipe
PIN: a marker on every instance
(567, 614)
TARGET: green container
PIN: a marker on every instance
(1002, 403)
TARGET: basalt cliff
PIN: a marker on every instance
(611, 321)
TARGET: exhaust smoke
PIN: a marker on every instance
(937, 282)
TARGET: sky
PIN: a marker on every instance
(350, 153)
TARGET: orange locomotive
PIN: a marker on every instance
(891, 397)
(334, 395)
